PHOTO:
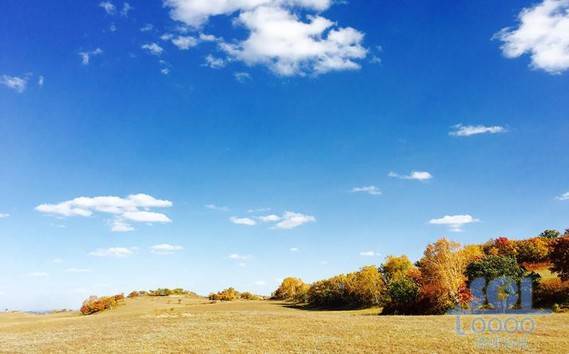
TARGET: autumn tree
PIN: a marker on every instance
(560, 257)
(291, 289)
(442, 270)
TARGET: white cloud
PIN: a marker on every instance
(123, 209)
(164, 71)
(86, 56)
(184, 42)
(414, 175)
(259, 210)
(294, 249)
(195, 13)
(15, 83)
(208, 37)
(542, 33)
(38, 274)
(118, 252)
(279, 36)
(41, 80)
(153, 48)
(242, 76)
(238, 257)
(564, 196)
(108, 6)
(165, 249)
(126, 8)
(290, 46)
(470, 130)
(121, 226)
(371, 190)
(369, 254)
(214, 62)
(77, 270)
(147, 27)
(454, 222)
(291, 220)
(288, 220)
(242, 221)
(216, 207)
(3, 215)
(270, 218)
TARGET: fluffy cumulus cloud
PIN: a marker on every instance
(455, 223)
(134, 208)
(563, 197)
(165, 249)
(184, 42)
(280, 35)
(118, 252)
(461, 130)
(371, 190)
(543, 34)
(109, 7)
(414, 175)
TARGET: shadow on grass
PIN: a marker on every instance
(308, 307)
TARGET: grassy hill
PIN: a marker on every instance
(186, 324)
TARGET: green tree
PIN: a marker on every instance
(492, 267)
(550, 234)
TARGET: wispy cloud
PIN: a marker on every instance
(109, 7)
(242, 76)
(38, 274)
(3, 215)
(77, 270)
(369, 254)
(371, 190)
(291, 220)
(126, 9)
(216, 207)
(153, 48)
(414, 175)
(15, 83)
(294, 249)
(86, 55)
(460, 130)
(454, 222)
(165, 249)
(564, 196)
(134, 208)
(214, 62)
(242, 221)
(118, 252)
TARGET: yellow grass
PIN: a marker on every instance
(151, 325)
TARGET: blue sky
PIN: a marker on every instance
(244, 141)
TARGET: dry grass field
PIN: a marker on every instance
(184, 324)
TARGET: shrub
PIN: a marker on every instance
(133, 294)
(559, 257)
(160, 292)
(228, 294)
(250, 296)
(403, 294)
(291, 289)
(97, 304)
(551, 291)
